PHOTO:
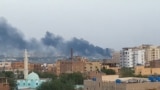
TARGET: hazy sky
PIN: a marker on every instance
(106, 23)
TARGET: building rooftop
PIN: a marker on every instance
(33, 76)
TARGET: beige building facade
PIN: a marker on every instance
(99, 82)
(116, 69)
(151, 52)
(92, 66)
(141, 70)
(70, 66)
(140, 55)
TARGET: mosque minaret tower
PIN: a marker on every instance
(25, 64)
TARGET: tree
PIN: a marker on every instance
(76, 78)
(46, 75)
(126, 72)
(108, 71)
(56, 84)
(63, 82)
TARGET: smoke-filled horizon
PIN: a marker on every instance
(13, 42)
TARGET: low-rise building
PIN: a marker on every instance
(5, 66)
(19, 66)
(37, 67)
(94, 74)
(92, 66)
(51, 68)
(110, 64)
(97, 83)
(75, 64)
(142, 70)
(113, 82)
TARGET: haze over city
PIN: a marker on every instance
(108, 24)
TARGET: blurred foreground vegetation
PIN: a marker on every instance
(62, 82)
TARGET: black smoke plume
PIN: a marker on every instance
(10, 38)
(12, 41)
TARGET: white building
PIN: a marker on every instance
(139, 57)
(131, 57)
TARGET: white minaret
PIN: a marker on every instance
(25, 64)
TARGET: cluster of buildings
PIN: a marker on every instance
(30, 81)
(18, 66)
(83, 65)
(137, 56)
(76, 64)
(114, 82)
(144, 59)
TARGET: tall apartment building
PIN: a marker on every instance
(131, 57)
(142, 55)
(151, 52)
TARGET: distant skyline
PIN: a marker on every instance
(106, 23)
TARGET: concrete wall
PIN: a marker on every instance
(107, 78)
(143, 86)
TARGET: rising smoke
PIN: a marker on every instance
(12, 41)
